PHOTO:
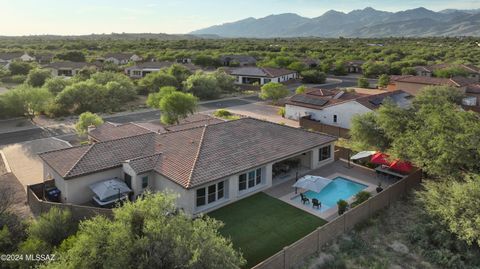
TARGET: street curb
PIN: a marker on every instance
(4, 158)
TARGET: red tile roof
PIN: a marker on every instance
(455, 82)
(191, 157)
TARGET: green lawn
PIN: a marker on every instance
(261, 225)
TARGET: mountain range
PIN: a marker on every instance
(368, 22)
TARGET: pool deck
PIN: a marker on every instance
(356, 173)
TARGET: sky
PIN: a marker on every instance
(26, 17)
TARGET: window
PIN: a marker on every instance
(335, 118)
(324, 153)
(144, 182)
(137, 73)
(266, 80)
(250, 179)
(201, 197)
(210, 194)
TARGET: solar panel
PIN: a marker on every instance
(377, 101)
(306, 100)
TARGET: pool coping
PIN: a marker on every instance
(332, 212)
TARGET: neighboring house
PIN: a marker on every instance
(121, 58)
(310, 63)
(238, 60)
(337, 107)
(414, 84)
(67, 69)
(473, 72)
(354, 66)
(44, 58)
(111, 131)
(207, 167)
(184, 60)
(140, 70)
(262, 75)
(8, 57)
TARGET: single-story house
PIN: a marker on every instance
(111, 131)
(354, 66)
(184, 60)
(262, 75)
(140, 70)
(310, 63)
(238, 60)
(67, 68)
(121, 58)
(44, 58)
(414, 84)
(472, 71)
(8, 57)
(337, 107)
(207, 167)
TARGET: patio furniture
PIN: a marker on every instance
(312, 183)
(304, 198)
(316, 203)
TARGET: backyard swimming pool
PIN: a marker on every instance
(339, 188)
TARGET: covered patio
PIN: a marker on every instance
(291, 168)
(353, 172)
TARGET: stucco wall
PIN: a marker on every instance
(344, 113)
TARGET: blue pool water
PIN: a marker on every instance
(339, 188)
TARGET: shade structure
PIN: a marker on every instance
(362, 154)
(312, 183)
(109, 188)
(401, 166)
(380, 158)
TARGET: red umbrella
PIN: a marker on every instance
(380, 158)
(401, 166)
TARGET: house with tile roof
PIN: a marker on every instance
(262, 75)
(8, 57)
(140, 70)
(238, 60)
(207, 166)
(121, 58)
(67, 68)
(338, 107)
(472, 71)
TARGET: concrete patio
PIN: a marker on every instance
(285, 192)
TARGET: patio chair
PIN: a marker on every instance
(316, 203)
(305, 200)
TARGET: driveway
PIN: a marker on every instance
(24, 161)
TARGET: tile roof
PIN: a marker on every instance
(111, 131)
(193, 156)
(10, 55)
(239, 58)
(119, 55)
(160, 65)
(371, 101)
(68, 64)
(261, 71)
(455, 82)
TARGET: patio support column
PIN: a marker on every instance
(268, 175)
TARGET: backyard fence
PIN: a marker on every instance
(297, 252)
(39, 206)
(307, 123)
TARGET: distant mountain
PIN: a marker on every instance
(118, 36)
(367, 22)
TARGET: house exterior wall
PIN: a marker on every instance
(265, 80)
(185, 197)
(76, 190)
(344, 112)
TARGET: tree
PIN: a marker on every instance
(206, 60)
(176, 106)
(449, 72)
(85, 120)
(180, 72)
(154, 81)
(365, 133)
(301, 89)
(74, 56)
(374, 69)
(37, 77)
(83, 96)
(383, 80)
(19, 68)
(27, 101)
(339, 69)
(273, 91)
(409, 71)
(363, 83)
(225, 82)
(454, 203)
(56, 85)
(297, 66)
(313, 76)
(154, 99)
(203, 86)
(156, 238)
